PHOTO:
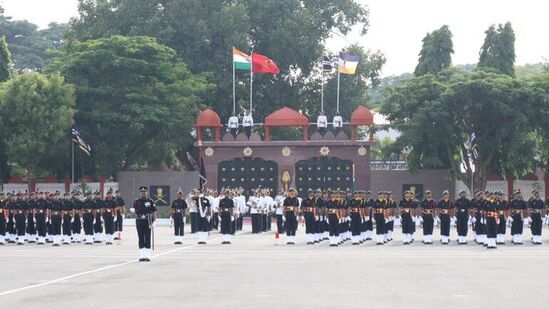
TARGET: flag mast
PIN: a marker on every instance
(337, 106)
(321, 85)
(251, 80)
(234, 91)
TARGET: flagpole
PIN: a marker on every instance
(322, 85)
(251, 80)
(337, 107)
(234, 92)
(72, 165)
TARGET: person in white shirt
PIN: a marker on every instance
(269, 207)
(248, 123)
(214, 202)
(233, 125)
(322, 123)
(193, 211)
(279, 212)
(243, 209)
(254, 204)
(337, 123)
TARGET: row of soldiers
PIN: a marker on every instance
(42, 217)
(341, 216)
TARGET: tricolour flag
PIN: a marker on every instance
(241, 61)
(77, 139)
(347, 63)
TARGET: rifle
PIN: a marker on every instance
(151, 227)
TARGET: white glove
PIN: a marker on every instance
(385, 220)
(367, 218)
(123, 216)
(529, 220)
(283, 218)
(348, 219)
(414, 219)
(232, 218)
(317, 218)
(132, 210)
(341, 220)
(483, 221)
(474, 219)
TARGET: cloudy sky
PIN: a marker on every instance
(397, 26)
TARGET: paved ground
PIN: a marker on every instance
(255, 272)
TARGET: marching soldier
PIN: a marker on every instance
(19, 215)
(536, 210)
(462, 206)
(332, 209)
(480, 226)
(109, 213)
(120, 215)
(56, 218)
(77, 205)
(88, 217)
(444, 208)
(407, 214)
(319, 216)
(503, 209)
(279, 200)
(179, 207)
(31, 226)
(204, 213)
(68, 213)
(253, 203)
(98, 225)
(226, 208)
(490, 219)
(308, 207)
(144, 209)
(291, 211)
(41, 216)
(369, 215)
(518, 208)
(10, 225)
(379, 217)
(428, 209)
(356, 209)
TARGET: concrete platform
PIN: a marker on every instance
(255, 272)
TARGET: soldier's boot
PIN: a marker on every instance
(2, 240)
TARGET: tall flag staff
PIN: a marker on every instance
(326, 67)
(241, 61)
(77, 139)
(347, 65)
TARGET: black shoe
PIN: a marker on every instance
(116, 238)
(146, 260)
(55, 245)
(333, 245)
(141, 260)
(177, 243)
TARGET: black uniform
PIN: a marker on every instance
(203, 224)
(379, 216)
(67, 218)
(10, 224)
(290, 205)
(109, 212)
(226, 206)
(502, 207)
(3, 211)
(31, 226)
(308, 207)
(536, 212)
(178, 212)
(77, 207)
(332, 207)
(120, 204)
(88, 217)
(444, 208)
(356, 207)
(98, 225)
(407, 208)
(144, 218)
(40, 213)
(56, 216)
(480, 227)
(462, 206)
(491, 209)
(20, 218)
(517, 206)
(428, 209)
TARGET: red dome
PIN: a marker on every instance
(362, 117)
(208, 118)
(286, 117)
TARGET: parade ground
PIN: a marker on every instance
(256, 272)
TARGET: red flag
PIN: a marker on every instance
(262, 64)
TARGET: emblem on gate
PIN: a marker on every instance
(209, 152)
(247, 151)
(286, 151)
(362, 151)
(324, 151)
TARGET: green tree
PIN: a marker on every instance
(498, 50)
(437, 114)
(36, 112)
(292, 32)
(136, 102)
(436, 52)
(5, 60)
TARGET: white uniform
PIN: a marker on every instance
(338, 121)
(322, 121)
(233, 122)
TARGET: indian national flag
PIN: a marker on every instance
(241, 61)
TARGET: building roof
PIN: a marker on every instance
(286, 117)
(208, 118)
(362, 116)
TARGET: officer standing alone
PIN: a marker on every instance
(179, 207)
(144, 209)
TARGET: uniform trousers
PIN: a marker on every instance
(178, 224)
(20, 224)
(333, 222)
(291, 223)
(461, 224)
(517, 226)
(67, 225)
(143, 233)
(380, 223)
(88, 223)
(77, 225)
(536, 224)
(428, 223)
(109, 223)
(491, 227)
(356, 223)
(309, 223)
(406, 223)
(226, 223)
(41, 224)
(56, 225)
(445, 225)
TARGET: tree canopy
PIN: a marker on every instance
(436, 52)
(136, 101)
(498, 50)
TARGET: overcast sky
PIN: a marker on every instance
(396, 26)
